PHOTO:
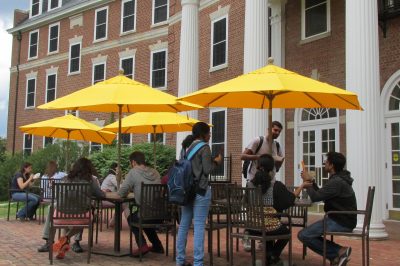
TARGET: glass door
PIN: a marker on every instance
(393, 164)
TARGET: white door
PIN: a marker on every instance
(393, 161)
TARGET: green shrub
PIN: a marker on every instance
(8, 168)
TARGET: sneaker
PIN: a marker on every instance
(76, 247)
(144, 250)
(44, 248)
(61, 253)
(159, 250)
(344, 258)
(60, 243)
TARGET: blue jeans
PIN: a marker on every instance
(30, 209)
(312, 237)
(198, 211)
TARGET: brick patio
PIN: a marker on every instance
(19, 241)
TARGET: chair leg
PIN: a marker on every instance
(304, 251)
(367, 249)
(227, 242)
(140, 242)
(363, 251)
(90, 242)
(174, 245)
(51, 242)
(237, 241)
(253, 252)
(218, 244)
(210, 244)
(231, 250)
(290, 251)
(166, 241)
(324, 253)
(9, 207)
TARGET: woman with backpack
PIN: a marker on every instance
(197, 209)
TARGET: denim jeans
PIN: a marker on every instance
(198, 211)
(312, 237)
(33, 203)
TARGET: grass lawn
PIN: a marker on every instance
(4, 209)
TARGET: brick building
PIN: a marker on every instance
(60, 46)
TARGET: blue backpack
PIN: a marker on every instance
(181, 183)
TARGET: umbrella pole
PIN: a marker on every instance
(154, 145)
(67, 153)
(270, 140)
(119, 145)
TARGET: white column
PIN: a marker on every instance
(255, 56)
(364, 158)
(188, 56)
(277, 52)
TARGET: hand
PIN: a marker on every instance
(218, 159)
(306, 176)
(307, 184)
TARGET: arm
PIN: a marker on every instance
(248, 155)
(207, 162)
(97, 192)
(298, 191)
(126, 186)
(330, 190)
(22, 185)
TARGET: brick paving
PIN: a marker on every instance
(19, 241)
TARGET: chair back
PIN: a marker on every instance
(219, 191)
(298, 214)
(246, 208)
(368, 209)
(46, 187)
(73, 200)
(154, 204)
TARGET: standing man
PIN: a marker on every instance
(337, 195)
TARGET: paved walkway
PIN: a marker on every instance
(19, 241)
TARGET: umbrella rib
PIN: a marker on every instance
(101, 136)
(340, 97)
(54, 131)
(83, 137)
(312, 98)
(217, 98)
(173, 107)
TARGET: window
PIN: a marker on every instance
(159, 69)
(99, 73)
(75, 58)
(35, 8)
(218, 141)
(51, 85)
(128, 17)
(72, 112)
(127, 65)
(28, 144)
(126, 139)
(160, 138)
(30, 92)
(47, 141)
(94, 147)
(160, 11)
(100, 26)
(54, 31)
(219, 42)
(315, 17)
(53, 4)
(33, 44)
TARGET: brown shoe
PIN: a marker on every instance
(144, 250)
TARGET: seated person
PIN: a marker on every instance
(276, 198)
(82, 171)
(140, 173)
(22, 181)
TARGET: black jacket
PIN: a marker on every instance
(338, 195)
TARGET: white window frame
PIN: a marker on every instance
(303, 22)
(133, 64)
(37, 44)
(164, 138)
(224, 65)
(23, 146)
(95, 25)
(105, 70)
(70, 112)
(153, 10)
(216, 110)
(44, 139)
(69, 58)
(90, 147)
(122, 17)
(58, 38)
(30, 9)
(49, 5)
(130, 140)
(166, 68)
(34, 94)
(47, 84)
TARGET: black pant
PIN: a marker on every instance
(274, 247)
(150, 232)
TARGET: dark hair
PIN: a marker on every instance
(113, 168)
(138, 157)
(337, 160)
(200, 130)
(187, 141)
(82, 169)
(262, 178)
(277, 124)
(22, 169)
(51, 168)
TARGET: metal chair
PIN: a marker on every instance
(71, 207)
(246, 211)
(363, 234)
(10, 199)
(46, 195)
(155, 208)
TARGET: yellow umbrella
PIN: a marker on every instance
(69, 127)
(157, 122)
(120, 94)
(273, 87)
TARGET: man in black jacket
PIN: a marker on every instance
(337, 195)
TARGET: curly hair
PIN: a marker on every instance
(262, 178)
(82, 169)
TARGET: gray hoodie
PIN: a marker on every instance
(135, 177)
(202, 165)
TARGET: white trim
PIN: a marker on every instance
(150, 134)
(23, 143)
(152, 15)
(215, 110)
(76, 20)
(55, 86)
(34, 93)
(166, 68)
(122, 17)
(52, 142)
(90, 146)
(99, 59)
(30, 9)
(69, 112)
(105, 70)
(225, 64)
(221, 12)
(37, 45)
(49, 5)
(158, 46)
(69, 57)
(133, 64)
(58, 38)
(75, 39)
(303, 22)
(52, 70)
(31, 75)
(127, 53)
(95, 25)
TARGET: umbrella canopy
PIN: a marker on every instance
(273, 87)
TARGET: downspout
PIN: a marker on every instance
(19, 38)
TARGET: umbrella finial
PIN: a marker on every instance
(270, 61)
(121, 72)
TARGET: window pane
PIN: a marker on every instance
(219, 54)
(316, 20)
(51, 95)
(35, 7)
(53, 45)
(158, 79)
(128, 23)
(75, 50)
(310, 3)
(160, 2)
(51, 81)
(48, 141)
(159, 137)
(218, 130)
(98, 73)
(101, 17)
(34, 38)
(54, 32)
(158, 60)
(394, 99)
(160, 14)
(74, 65)
(30, 100)
(126, 139)
(127, 66)
(396, 201)
(31, 85)
(219, 31)
(33, 51)
(395, 129)
(54, 4)
(101, 31)
(129, 8)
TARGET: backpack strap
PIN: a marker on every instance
(259, 144)
(195, 149)
(278, 147)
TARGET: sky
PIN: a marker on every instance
(6, 18)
